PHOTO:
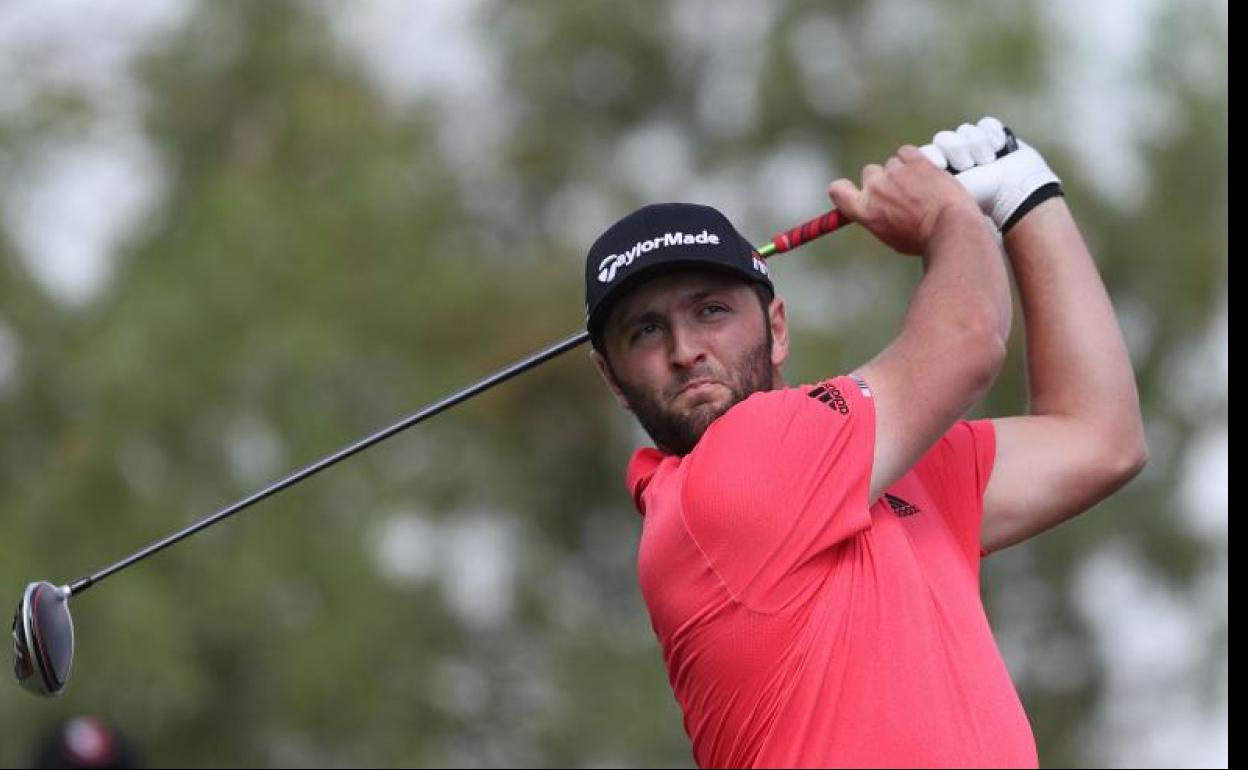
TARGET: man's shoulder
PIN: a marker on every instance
(780, 425)
(786, 397)
(760, 410)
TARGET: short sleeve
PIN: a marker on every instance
(955, 472)
(777, 482)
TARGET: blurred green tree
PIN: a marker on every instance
(324, 260)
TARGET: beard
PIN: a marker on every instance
(677, 431)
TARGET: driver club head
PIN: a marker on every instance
(43, 638)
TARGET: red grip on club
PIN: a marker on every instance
(808, 231)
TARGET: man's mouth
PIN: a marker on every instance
(694, 387)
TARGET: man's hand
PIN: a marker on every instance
(1005, 188)
(902, 201)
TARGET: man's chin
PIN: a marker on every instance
(706, 411)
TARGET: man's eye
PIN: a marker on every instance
(645, 331)
(712, 309)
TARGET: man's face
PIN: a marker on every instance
(683, 348)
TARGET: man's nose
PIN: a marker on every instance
(687, 348)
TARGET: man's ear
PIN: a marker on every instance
(608, 376)
(779, 332)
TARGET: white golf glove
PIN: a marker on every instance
(1005, 187)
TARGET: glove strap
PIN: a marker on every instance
(1040, 195)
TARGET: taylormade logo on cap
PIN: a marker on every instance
(610, 264)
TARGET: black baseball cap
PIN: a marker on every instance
(659, 238)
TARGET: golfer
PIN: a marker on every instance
(810, 553)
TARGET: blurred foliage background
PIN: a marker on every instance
(260, 230)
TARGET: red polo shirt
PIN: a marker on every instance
(804, 625)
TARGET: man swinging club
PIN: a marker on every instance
(810, 554)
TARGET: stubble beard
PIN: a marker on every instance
(678, 431)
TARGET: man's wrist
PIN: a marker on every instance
(1041, 194)
(957, 216)
(957, 220)
(1042, 218)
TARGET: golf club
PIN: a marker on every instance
(43, 631)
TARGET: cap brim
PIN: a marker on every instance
(597, 321)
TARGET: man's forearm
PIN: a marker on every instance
(1077, 361)
(958, 321)
(963, 282)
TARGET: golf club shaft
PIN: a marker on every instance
(815, 228)
(564, 345)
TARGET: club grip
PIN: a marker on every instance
(1011, 143)
(808, 231)
(832, 220)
